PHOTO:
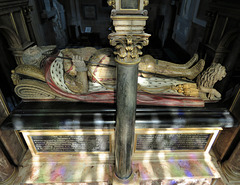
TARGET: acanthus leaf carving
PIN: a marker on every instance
(128, 47)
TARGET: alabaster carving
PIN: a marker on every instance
(36, 90)
(73, 70)
(189, 70)
(107, 71)
(27, 70)
(75, 76)
(206, 81)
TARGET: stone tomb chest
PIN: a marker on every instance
(175, 141)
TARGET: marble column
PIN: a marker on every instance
(231, 167)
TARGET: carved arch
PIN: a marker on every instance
(223, 47)
(14, 43)
(12, 38)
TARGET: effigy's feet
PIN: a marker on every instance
(192, 61)
(195, 70)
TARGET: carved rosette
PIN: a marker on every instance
(128, 47)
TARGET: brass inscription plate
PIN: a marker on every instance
(72, 143)
(172, 141)
(126, 4)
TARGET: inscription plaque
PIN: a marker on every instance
(133, 4)
(72, 143)
(172, 141)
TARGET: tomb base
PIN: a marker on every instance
(74, 143)
(193, 169)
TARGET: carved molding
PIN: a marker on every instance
(128, 47)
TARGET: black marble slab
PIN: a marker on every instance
(72, 143)
(171, 142)
(77, 115)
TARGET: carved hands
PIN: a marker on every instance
(79, 63)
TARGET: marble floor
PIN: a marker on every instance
(169, 172)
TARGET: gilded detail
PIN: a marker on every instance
(128, 47)
(112, 3)
(145, 2)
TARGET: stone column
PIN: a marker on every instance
(8, 172)
(128, 40)
(231, 167)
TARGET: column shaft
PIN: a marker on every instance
(125, 121)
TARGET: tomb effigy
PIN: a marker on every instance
(59, 78)
(137, 119)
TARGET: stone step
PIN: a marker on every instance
(166, 172)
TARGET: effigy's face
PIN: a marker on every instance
(32, 55)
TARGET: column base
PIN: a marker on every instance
(230, 175)
(12, 178)
(134, 179)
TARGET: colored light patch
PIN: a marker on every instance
(58, 173)
(180, 113)
(43, 175)
(175, 170)
(188, 173)
(171, 160)
(173, 182)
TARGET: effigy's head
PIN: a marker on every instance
(33, 56)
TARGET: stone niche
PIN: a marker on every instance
(13, 16)
(15, 28)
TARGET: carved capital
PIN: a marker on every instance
(128, 47)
